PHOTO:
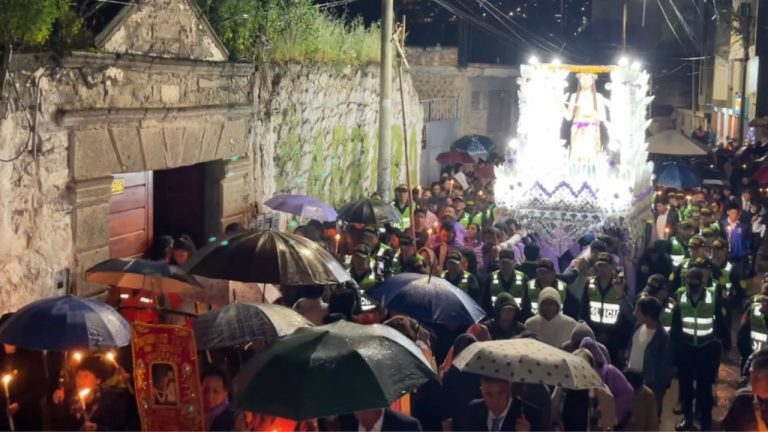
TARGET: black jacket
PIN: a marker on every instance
(224, 421)
(476, 417)
(393, 422)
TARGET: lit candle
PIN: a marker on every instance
(111, 357)
(83, 394)
(450, 185)
(77, 356)
(429, 233)
(688, 197)
(337, 238)
(666, 233)
(6, 381)
(730, 237)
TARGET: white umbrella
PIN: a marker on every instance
(528, 361)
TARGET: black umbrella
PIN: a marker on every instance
(66, 323)
(369, 212)
(334, 369)
(238, 323)
(268, 256)
(472, 144)
(142, 274)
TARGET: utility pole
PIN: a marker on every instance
(624, 19)
(384, 177)
(745, 20)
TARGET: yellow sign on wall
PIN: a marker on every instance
(118, 186)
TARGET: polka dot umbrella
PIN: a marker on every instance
(528, 361)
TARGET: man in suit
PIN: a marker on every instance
(378, 420)
(498, 411)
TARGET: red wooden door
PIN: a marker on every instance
(130, 215)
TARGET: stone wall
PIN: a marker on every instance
(433, 56)
(317, 132)
(290, 128)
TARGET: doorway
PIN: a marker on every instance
(189, 200)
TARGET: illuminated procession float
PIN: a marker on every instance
(579, 163)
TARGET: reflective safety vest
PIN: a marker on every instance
(480, 217)
(405, 216)
(368, 281)
(396, 267)
(678, 252)
(463, 283)
(699, 320)
(378, 260)
(517, 289)
(666, 316)
(466, 219)
(603, 309)
(759, 331)
(725, 280)
(534, 291)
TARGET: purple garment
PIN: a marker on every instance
(546, 251)
(211, 415)
(622, 390)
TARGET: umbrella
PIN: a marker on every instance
(454, 157)
(528, 361)
(474, 145)
(334, 369)
(238, 323)
(66, 323)
(761, 175)
(678, 176)
(428, 299)
(369, 212)
(142, 274)
(268, 257)
(304, 206)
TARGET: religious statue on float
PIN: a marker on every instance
(586, 109)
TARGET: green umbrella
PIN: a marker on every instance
(334, 369)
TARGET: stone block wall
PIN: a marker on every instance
(433, 56)
(296, 128)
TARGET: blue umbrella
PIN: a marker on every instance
(66, 323)
(677, 176)
(304, 206)
(428, 299)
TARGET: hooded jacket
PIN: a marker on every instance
(554, 332)
(581, 331)
(497, 333)
(612, 377)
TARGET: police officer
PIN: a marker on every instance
(484, 215)
(696, 249)
(605, 294)
(508, 280)
(698, 350)
(657, 287)
(753, 328)
(546, 277)
(725, 280)
(462, 214)
(708, 220)
(402, 203)
(678, 243)
(465, 280)
(406, 249)
(360, 267)
(381, 254)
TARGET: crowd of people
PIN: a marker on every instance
(691, 297)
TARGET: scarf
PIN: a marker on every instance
(211, 415)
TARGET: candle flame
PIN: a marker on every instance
(77, 356)
(7, 379)
(84, 393)
(338, 237)
(111, 356)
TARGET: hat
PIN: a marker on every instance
(376, 196)
(696, 241)
(401, 187)
(545, 264)
(719, 243)
(362, 250)
(655, 283)
(707, 232)
(702, 263)
(706, 211)
(604, 257)
(686, 224)
(506, 255)
(453, 256)
(470, 202)
(370, 229)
